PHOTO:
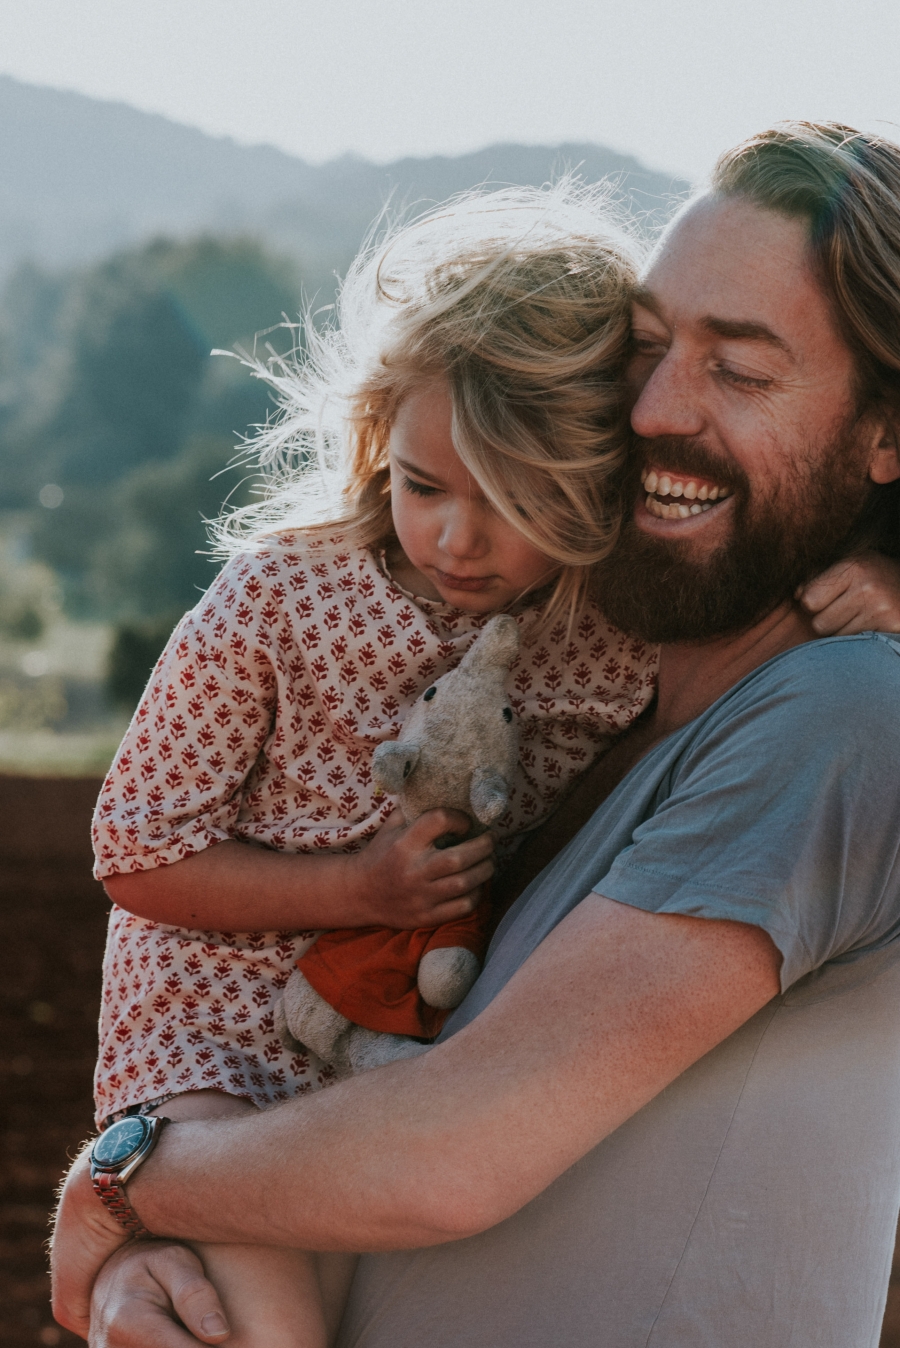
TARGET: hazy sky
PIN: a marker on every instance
(673, 81)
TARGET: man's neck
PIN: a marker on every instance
(693, 675)
(691, 678)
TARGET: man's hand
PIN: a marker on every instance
(859, 594)
(143, 1292)
(403, 880)
(84, 1237)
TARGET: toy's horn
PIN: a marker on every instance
(392, 763)
(496, 647)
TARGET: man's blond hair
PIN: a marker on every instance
(846, 185)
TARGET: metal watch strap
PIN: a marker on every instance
(112, 1194)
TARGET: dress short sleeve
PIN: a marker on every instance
(174, 786)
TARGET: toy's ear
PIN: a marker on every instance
(496, 648)
(488, 795)
(392, 763)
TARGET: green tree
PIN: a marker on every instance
(113, 398)
(157, 560)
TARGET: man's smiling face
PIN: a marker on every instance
(754, 463)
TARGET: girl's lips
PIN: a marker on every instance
(471, 583)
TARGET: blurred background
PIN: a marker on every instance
(179, 178)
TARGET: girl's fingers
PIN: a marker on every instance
(394, 821)
(826, 588)
(838, 617)
(441, 867)
(461, 885)
(435, 824)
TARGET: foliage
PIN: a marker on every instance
(114, 415)
(136, 648)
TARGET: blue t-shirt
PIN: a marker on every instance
(754, 1200)
(778, 806)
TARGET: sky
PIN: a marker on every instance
(671, 81)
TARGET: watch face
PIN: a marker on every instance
(120, 1141)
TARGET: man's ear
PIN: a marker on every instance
(884, 465)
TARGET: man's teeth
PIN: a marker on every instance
(675, 510)
(700, 495)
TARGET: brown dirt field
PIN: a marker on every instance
(52, 920)
(52, 926)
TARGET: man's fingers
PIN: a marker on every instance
(144, 1290)
(198, 1306)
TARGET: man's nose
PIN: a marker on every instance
(669, 402)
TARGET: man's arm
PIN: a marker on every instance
(613, 1005)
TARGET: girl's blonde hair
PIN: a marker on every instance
(518, 298)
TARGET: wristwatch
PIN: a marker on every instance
(115, 1156)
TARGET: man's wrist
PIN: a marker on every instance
(116, 1156)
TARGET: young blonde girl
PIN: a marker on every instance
(449, 450)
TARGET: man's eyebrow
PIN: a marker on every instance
(740, 329)
(745, 330)
(419, 472)
(646, 299)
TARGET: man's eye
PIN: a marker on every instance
(741, 380)
(643, 345)
(418, 488)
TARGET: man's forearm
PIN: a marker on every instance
(419, 1153)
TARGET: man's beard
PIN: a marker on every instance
(654, 588)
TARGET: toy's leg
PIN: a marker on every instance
(273, 1297)
(369, 1048)
(309, 1020)
(446, 975)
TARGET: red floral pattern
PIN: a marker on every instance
(260, 722)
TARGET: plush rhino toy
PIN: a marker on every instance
(458, 749)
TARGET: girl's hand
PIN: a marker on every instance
(403, 880)
(860, 594)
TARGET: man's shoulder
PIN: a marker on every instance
(818, 703)
(853, 678)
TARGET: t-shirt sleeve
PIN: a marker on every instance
(174, 787)
(785, 814)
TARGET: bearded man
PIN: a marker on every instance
(667, 1113)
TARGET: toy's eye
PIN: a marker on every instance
(427, 696)
(507, 714)
(407, 769)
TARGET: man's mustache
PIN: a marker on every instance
(690, 456)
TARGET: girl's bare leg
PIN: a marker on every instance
(273, 1297)
(335, 1276)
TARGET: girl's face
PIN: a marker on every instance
(456, 547)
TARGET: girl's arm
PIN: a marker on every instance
(860, 594)
(398, 880)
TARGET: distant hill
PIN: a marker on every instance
(81, 177)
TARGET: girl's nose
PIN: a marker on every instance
(462, 531)
(669, 403)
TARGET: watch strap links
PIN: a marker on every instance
(111, 1193)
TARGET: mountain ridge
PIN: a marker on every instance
(84, 176)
